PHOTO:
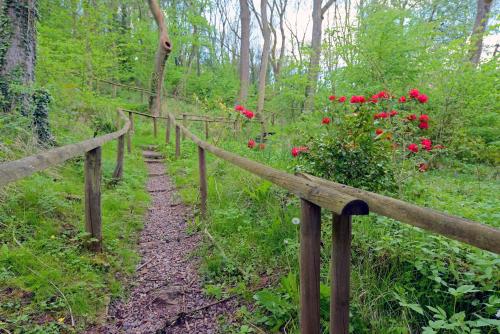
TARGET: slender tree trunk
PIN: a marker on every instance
(17, 52)
(244, 51)
(313, 73)
(162, 52)
(264, 60)
(483, 11)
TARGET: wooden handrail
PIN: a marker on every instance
(14, 170)
(332, 200)
(467, 231)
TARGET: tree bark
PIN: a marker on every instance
(17, 52)
(162, 53)
(313, 73)
(264, 60)
(483, 11)
(244, 51)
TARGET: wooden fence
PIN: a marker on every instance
(344, 202)
(91, 148)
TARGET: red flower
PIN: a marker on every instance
(423, 167)
(422, 98)
(379, 132)
(295, 151)
(381, 115)
(383, 95)
(342, 99)
(262, 146)
(412, 117)
(423, 125)
(374, 98)
(248, 114)
(331, 98)
(424, 118)
(402, 99)
(426, 144)
(393, 113)
(358, 99)
(251, 143)
(239, 108)
(326, 120)
(414, 93)
(413, 148)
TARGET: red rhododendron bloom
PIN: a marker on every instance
(423, 125)
(248, 114)
(239, 108)
(331, 97)
(342, 99)
(414, 93)
(412, 117)
(383, 95)
(422, 98)
(374, 98)
(381, 115)
(379, 131)
(326, 120)
(423, 167)
(413, 148)
(402, 99)
(423, 118)
(262, 146)
(393, 113)
(251, 143)
(426, 144)
(358, 99)
(295, 151)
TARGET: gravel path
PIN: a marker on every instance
(167, 287)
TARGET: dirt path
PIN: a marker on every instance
(166, 288)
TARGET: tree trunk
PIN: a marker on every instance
(244, 51)
(483, 11)
(17, 52)
(264, 60)
(313, 73)
(162, 52)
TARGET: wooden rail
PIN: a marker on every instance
(91, 148)
(344, 202)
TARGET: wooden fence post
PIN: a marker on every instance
(129, 142)
(203, 182)
(184, 124)
(93, 197)
(177, 141)
(131, 118)
(118, 173)
(206, 129)
(341, 273)
(310, 243)
(167, 131)
(155, 127)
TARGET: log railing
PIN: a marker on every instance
(344, 202)
(91, 149)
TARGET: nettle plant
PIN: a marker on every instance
(372, 143)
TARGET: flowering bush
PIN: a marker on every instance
(372, 143)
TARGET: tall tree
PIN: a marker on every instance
(244, 51)
(313, 73)
(483, 11)
(264, 60)
(162, 53)
(17, 52)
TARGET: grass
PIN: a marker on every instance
(403, 279)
